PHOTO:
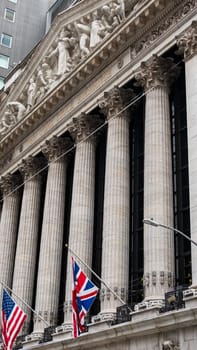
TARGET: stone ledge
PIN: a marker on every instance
(32, 339)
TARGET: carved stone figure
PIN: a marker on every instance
(31, 93)
(47, 72)
(3, 128)
(18, 109)
(14, 113)
(118, 11)
(97, 31)
(83, 31)
(62, 53)
(9, 118)
(75, 52)
(41, 84)
(107, 18)
(111, 16)
(7, 122)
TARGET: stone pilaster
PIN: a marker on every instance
(82, 209)
(8, 226)
(188, 45)
(115, 246)
(156, 76)
(49, 270)
(27, 243)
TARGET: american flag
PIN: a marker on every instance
(83, 295)
(12, 319)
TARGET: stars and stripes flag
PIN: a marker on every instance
(83, 295)
(12, 320)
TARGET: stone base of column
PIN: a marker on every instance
(101, 322)
(32, 339)
(190, 297)
(105, 316)
(146, 310)
(63, 332)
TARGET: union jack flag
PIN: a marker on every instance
(12, 319)
(83, 295)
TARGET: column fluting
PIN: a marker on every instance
(82, 206)
(49, 268)
(156, 76)
(27, 242)
(115, 244)
(8, 227)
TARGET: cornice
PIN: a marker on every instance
(170, 322)
(124, 35)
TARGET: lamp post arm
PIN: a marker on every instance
(178, 231)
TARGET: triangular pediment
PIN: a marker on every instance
(72, 38)
(70, 55)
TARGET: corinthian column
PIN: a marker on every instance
(115, 246)
(82, 207)
(156, 76)
(188, 44)
(49, 269)
(8, 227)
(26, 251)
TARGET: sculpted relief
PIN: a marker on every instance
(73, 43)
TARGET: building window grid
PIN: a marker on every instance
(4, 61)
(1, 82)
(6, 40)
(9, 14)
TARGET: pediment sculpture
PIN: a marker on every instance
(74, 42)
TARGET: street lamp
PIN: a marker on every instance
(152, 222)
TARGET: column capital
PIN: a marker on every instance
(30, 166)
(84, 125)
(187, 43)
(115, 100)
(9, 182)
(157, 72)
(55, 147)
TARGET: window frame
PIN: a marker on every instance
(1, 40)
(11, 10)
(1, 80)
(7, 67)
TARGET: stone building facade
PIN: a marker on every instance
(97, 132)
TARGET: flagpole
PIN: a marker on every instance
(24, 302)
(99, 278)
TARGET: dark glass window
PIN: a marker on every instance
(137, 203)
(181, 180)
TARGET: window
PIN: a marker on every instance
(14, 1)
(4, 61)
(1, 82)
(6, 40)
(9, 15)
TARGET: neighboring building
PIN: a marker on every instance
(22, 25)
(57, 7)
(98, 130)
